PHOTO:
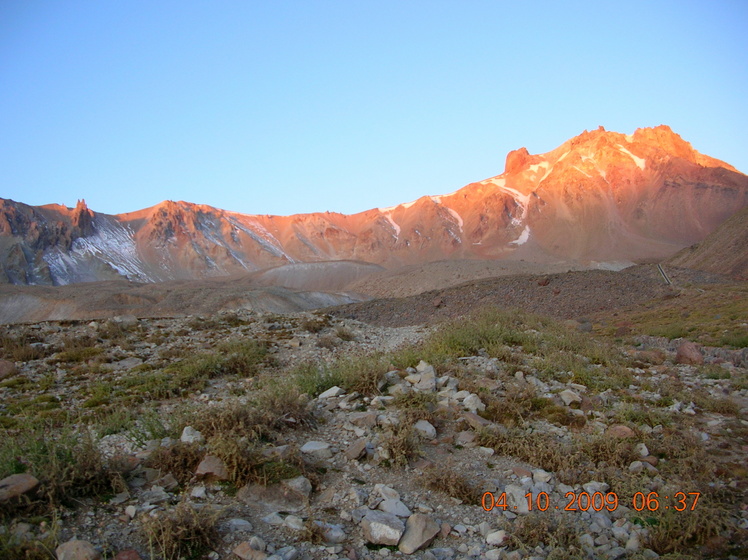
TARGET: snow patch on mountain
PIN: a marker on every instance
(523, 237)
(640, 163)
(456, 216)
(394, 225)
(111, 243)
(262, 237)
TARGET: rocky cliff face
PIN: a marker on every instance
(601, 196)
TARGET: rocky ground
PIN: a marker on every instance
(320, 436)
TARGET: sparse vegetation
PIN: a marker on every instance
(238, 388)
(185, 532)
(449, 481)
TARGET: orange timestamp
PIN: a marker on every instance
(597, 501)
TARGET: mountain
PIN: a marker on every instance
(724, 251)
(601, 196)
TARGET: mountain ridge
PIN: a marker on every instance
(598, 196)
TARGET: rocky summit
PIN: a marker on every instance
(487, 433)
(601, 196)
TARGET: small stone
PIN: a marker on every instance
(620, 431)
(131, 511)
(496, 538)
(257, 543)
(212, 467)
(16, 485)
(357, 449)
(332, 392)
(425, 429)
(237, 524)
(191, 435)
(294, 522)
(539, 475)
(494, 554)
(382, 528)
(395, 507)
(473, 404)
(594, 486)
(77, 550)
(516, 498)
(420, 531)
(299, 485)
(318, 449)
(199, 493)
(386, 492)
(167, 482)
(569, 397)
(636, 467)
(475, 421)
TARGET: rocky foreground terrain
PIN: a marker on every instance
(616, 430)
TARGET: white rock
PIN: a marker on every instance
(382, 528)
(191, 435)
(473, 404)
(199, 493)
(516, 498)
(594, 486)
(395, 507)
(317, 449)
(496, 538)
(131, 511)
(425, 429)
(333, 391)
(494, 554)
(569, 397)
(386, 492)
(539, 475)
(641, 449)
(294, 522)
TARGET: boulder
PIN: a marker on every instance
(420, 530)
(689, 353)
(382, 528)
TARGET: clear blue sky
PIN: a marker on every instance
(281, 107)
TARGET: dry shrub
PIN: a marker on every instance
(184, 532)
(181, 460)
(672, 531)
(538, 449)
(68, 465)
(553, 531)
(449, 481)
(273, 410)
(247, 464)
(401, 443)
